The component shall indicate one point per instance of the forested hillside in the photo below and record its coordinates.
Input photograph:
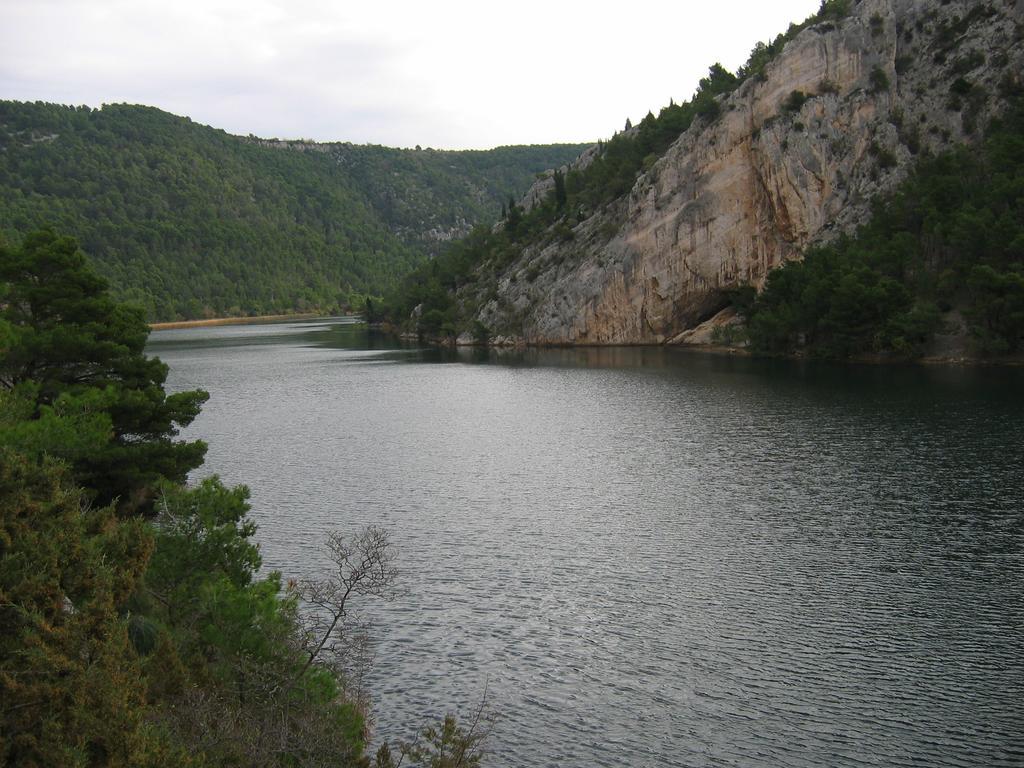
(189, 221)
(428, 196)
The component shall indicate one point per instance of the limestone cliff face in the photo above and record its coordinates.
(736, 197)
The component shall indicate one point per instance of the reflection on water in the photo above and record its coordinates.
(649, 556)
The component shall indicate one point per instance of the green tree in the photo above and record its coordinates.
(444, 745)
(997, 308)
(68, 345)
(514, 215)
(239, 651)
(70, 687)
(561, 198)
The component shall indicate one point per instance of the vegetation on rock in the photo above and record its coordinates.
(573, 198)
(584, 189)
(940, 256)
(951, 237)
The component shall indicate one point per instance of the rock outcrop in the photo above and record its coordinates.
(735, 197)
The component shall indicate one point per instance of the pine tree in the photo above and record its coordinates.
(560, 194)
(65, 337)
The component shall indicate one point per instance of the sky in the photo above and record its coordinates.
(449, 74)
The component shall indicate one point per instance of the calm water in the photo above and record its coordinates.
(650, 557)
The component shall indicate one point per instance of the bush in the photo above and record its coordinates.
(795, 101)
(481, 333)
(884, 157)
(879, 80)
(960, 87)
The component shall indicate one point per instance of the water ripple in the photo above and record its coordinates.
(649, 558)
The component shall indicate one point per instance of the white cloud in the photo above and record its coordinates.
(450, 73)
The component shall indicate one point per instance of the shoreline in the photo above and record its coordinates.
(175, 324)
(962, 359)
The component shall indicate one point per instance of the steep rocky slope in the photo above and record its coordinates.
(794, 157)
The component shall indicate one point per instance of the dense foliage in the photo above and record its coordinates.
(574, 197)
(149, 639)
(74, 381)
(188, 221)
(952, 237)
(71, 692)
(427, 196)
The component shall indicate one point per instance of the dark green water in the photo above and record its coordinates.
(650, 557)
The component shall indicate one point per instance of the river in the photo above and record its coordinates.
(649, 557)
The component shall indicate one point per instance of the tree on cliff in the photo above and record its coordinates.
(561, 197)
(66, 346)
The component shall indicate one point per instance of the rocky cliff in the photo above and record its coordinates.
(795, 156)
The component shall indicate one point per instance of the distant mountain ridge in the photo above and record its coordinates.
(190, 221)
(447, 192)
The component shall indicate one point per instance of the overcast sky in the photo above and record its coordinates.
(443, 73)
